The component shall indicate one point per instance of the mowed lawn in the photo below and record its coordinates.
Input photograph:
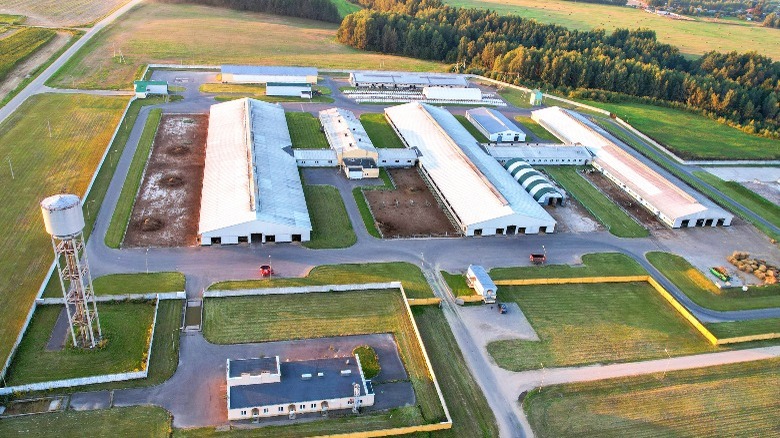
(582, 324)
(472, 129)
(379, 131)
(305, 131)
(692, 37)
(81, 127)
(166, 33)
(317, 315)
(536, 129)
(607, 264)
(125, 327)
(136, 421)
(728, 400)
(703, 291)
(748, 198)
(693, 136)
(331, 227)
(120, 284)
(617, 221)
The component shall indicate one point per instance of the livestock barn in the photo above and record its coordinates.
(355, 152)
(251, 187)
(478, 192)
(495, 126)
(258, 74)
(466, 94)
(393, 80)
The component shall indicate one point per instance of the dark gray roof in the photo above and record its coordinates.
(492, 121)
(293, 389)
(269, 70)
(253, 366)
(367, 163)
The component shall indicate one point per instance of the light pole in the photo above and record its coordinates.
(147, 260)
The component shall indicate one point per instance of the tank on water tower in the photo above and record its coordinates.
(64, 221)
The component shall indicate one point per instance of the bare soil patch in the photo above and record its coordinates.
(769, 190)
(624, 200)
(573, 218)
(167, 208)
(410, 210)
(24, 69)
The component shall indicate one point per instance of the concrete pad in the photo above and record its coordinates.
(741, 174)
(87, 401)
(487, 325)
(392, 395)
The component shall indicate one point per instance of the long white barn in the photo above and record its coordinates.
(251, 187)
(671, 204)
(479, 193)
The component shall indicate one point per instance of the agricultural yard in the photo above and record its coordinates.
(691, 37)
(146, 421)
(703, 291)
(167, 33)
(581, 324)
(472, 129)
(729, 400)
(331, 227)
(304, 316)
(537, 130)
(65, 13)
(126, 327)
(305, 131)
(167, 207)
(753, 201)
(617, 221)
(622, 199)
(593, 265)
(408, 274)
(257, 91)
(44, 162)
(410, 209)
(379, 131)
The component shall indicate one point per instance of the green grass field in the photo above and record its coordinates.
(617, 221)
(124, 206)
(331, 227)
(744, 328)
(408, 274)
(81, 127)
(125, 325)
(748, 198)
(305, 131)
(457, 284)
(692, 37)
(21, 45)
(379, 131)
(703, 291)
(729, 400)
(137, 421)
(582, 324)
(365, 212)
(167, 33)
(693, 136)
(518, 98)
(536, 129)
(345, 7)
(304, 316)
(120, 284)
(236, 91)
(472, 129)
(593, 265)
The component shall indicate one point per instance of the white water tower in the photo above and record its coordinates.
(64, 221)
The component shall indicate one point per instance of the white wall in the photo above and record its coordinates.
(281, 233)
(277, 410)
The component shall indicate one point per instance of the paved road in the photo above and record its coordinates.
(38, 84)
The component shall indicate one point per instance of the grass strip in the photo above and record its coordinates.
(748, 198)
(365, 212)
(145, 421)
(593, 265)
(472, 129)
(331, 227)
(121, 284)
(536, 129)
(124, 207)
(380, 132)
(744, 328)
(457, 284)
(305, 131)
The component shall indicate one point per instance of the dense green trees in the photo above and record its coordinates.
(772, 20)
(323, 10)
(742, 89)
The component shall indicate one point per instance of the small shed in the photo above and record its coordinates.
(478, 279)
(288, 89)
(143, 89)
(536, 97)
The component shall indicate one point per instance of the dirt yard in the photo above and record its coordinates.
(166, 211)
(410, 210)
(622, 199)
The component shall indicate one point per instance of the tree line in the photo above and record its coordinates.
(735, 8)
(322, 10)
(772, 20)
(740, 89)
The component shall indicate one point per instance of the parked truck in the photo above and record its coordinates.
(538, 258)
(478, 279)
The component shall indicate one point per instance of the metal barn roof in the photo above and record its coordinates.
(406, 78)
(140, 86)
(249, 173)
(474, 184)
(479, 272)
(344, 131)
(492, 121)
(269, 70)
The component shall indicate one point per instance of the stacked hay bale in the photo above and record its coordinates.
(759, 268)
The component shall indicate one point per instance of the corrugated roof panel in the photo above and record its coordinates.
(344, 131)
(268, 70)
(492, 121)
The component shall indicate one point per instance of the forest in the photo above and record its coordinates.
(734, 8)
(740, 89)
(322, 10)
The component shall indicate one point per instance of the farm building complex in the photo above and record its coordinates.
(672, 205)
(495, 126)
(534, 182)
(251, 186)
(266, 387)
(257, 74)
(355, 152)
(542, 153)
(480, 195)
(405, 80)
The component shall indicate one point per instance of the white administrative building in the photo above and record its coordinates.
(495, 126)
(251, 187)
(478, 192)
(260, 74)
(404, 80)
(670, 203)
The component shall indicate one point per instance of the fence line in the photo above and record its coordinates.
(123, 297)
(300, 289)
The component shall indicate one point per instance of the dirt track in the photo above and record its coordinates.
(166, 211)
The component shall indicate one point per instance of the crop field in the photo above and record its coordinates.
(408, 274)
(126, 326)
(305, 131)
(729, 400)
(702, 290)
(593, 265)
(692, 37)
(379, 131)
(537, 130)
(693, 136)
(750, 199)
(304, 316)
(582, 324)
(331, 227)
(617, 221)
(66, 13)
(140, 421)
(166, 33)
(472, 129)
(43, 164)
(19, 46)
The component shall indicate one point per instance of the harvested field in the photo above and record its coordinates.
(61, 12)
(166, 211)
(409, 210)
(624, 200)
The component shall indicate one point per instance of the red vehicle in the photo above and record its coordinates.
(538, 259)
(266, 271)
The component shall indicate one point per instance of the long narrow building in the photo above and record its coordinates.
(251, 187)
(671, 203)
(480, 195)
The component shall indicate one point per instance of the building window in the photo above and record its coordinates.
(303, 406)
(281, 408)
(243, 412)
(314, 405)
(265, 410)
